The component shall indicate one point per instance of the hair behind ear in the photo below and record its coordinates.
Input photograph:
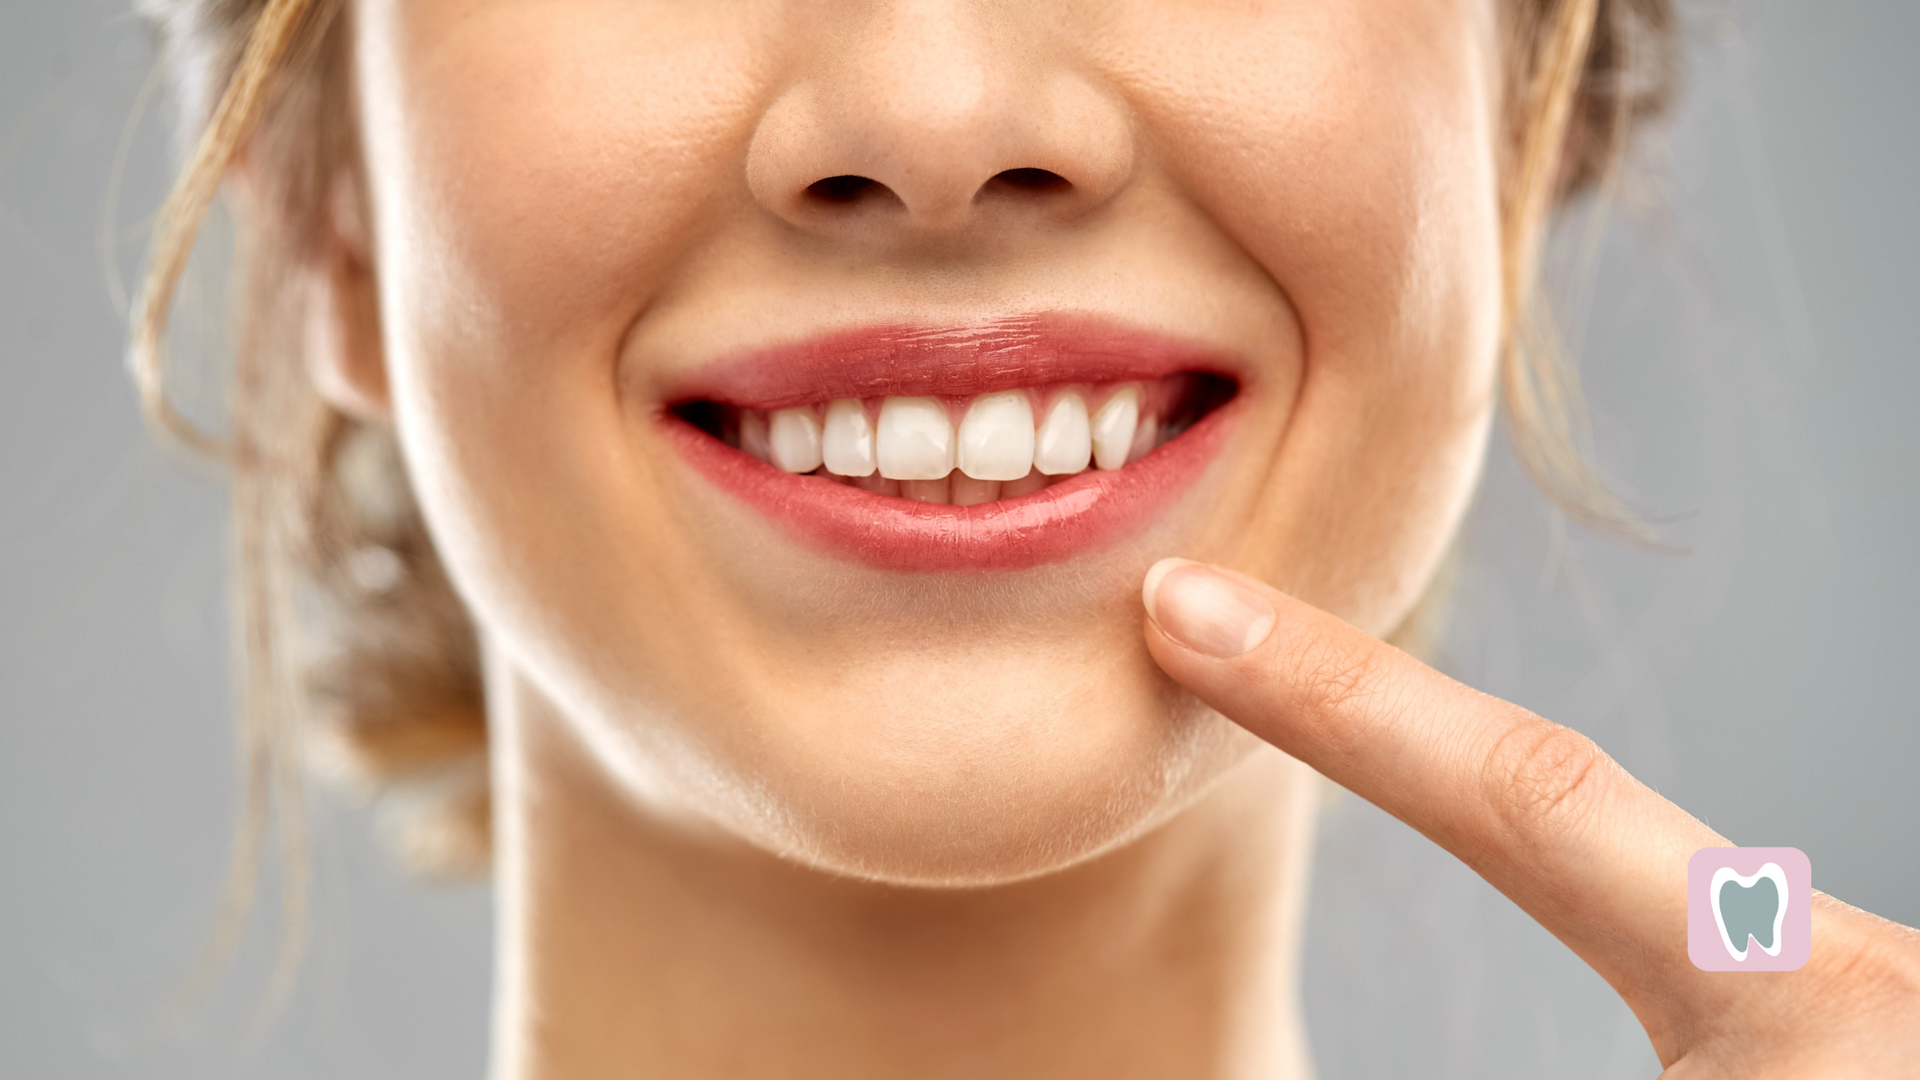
(351, 641)
(1583, 75)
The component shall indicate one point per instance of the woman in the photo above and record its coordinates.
(727, 451)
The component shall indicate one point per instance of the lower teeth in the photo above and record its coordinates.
(955, 489)
(959, 489)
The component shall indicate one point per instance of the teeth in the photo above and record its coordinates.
(1145, 438)
(877, 484)
(1063, 444)
(996, 437)
(846, 440)
(1026, 485)
(915, 441)
(1113, 428)
(753, 436)
(927, 491)
(915, 451)
(795, 436)
(967, 491)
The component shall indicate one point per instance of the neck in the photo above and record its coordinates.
(630, 946)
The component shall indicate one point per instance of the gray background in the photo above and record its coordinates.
(1746, 332)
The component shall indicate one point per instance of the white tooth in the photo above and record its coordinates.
(1063, 444)
(1145, 438)
(1113, 428)
(753, 435)
(996, 437)
(915, 440)
(846, 440)
(795, 436)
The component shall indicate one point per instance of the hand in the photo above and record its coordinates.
(1550, 820)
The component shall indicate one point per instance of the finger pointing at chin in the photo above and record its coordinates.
(1547, 818)
(1536, 808)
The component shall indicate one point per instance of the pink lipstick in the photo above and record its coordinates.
(998, 446)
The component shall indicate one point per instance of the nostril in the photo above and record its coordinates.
(845, 189)
(1030, 180)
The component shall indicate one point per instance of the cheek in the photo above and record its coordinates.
(1350, 150)
(538, 169)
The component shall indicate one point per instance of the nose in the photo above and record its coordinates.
(933, 117)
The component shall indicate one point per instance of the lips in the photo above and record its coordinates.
(859, 444)
(954, 362)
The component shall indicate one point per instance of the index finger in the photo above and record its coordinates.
(1536, 808)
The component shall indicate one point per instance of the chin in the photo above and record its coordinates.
(967, 770)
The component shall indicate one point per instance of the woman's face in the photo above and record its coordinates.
(620, 252)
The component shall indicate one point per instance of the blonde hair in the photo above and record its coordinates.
(376, 681)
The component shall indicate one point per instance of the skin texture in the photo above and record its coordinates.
(572, 204)
(763, 812)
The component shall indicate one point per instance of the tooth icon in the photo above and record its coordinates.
(1749, 909)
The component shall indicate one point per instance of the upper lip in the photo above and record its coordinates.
(899, 360)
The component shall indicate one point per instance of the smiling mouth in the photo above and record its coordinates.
(994, 447)
(967, 451)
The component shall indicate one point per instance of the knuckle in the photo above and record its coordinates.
(1543, 777)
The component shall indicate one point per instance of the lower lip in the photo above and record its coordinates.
(1092, 510)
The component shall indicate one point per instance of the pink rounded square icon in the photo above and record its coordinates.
(1749, 909)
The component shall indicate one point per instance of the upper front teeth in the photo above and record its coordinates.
(996, 437)
(916, 439)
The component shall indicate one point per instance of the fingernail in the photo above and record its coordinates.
(1205, 610)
